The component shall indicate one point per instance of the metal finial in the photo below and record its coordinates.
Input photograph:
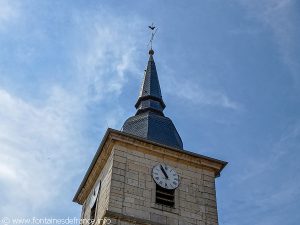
(153, 32)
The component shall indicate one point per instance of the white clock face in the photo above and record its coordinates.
(165, 176)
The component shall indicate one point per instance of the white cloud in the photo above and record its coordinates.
(36, 145)
(9, 11)
(109, 52)
(194, 93)
(42, 147)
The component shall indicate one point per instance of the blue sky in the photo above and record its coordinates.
(229, 73)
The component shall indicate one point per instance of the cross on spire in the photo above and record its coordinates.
(153, 32)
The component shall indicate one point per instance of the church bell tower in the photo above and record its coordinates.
(143, 175)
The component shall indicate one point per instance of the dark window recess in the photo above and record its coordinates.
(93, 211)
(165, 196)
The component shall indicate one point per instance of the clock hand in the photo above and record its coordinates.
(164, 172)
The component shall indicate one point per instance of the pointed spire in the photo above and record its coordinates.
(149, 121)
(150, 98)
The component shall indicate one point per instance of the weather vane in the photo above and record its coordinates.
(153, 32)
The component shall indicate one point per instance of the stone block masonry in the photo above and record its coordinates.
(123, 165)
(132, 195)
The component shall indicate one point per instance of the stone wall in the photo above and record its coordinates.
(104, 194)
(132, 191)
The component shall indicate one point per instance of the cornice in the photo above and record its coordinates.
(113, 137)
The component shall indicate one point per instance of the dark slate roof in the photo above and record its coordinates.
(150, 94)
(153, 127)
(149, 121)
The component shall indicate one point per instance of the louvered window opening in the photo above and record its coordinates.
(165, 196)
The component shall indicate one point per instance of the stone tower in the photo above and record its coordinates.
(142, 174)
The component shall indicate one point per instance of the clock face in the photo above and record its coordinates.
(165, 176)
